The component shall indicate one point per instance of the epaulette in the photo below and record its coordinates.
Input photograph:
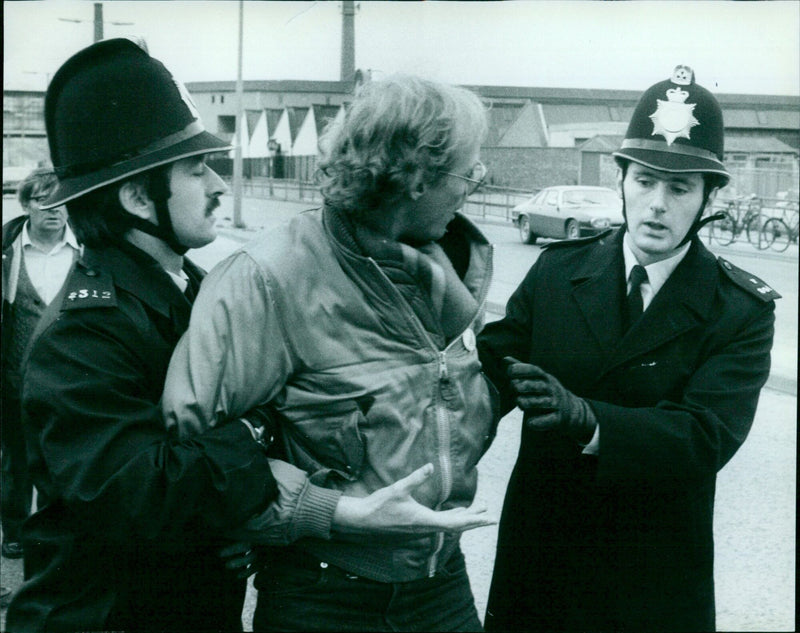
(88, 287)
(748, 282)
(578, 241)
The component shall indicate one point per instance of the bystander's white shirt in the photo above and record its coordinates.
(48, 270)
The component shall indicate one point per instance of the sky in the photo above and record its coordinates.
(734, 47)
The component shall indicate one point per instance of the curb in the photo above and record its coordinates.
(782, 384)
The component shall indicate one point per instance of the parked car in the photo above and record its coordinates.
(568, 212)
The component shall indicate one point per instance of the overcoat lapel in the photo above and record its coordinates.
(682, 303)
(598, 289)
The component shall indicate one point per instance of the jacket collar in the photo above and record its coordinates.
(12, 229)
(139, 274)
(340, 227)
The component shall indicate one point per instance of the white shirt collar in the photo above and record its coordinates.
(657, 273)
(181, 280)
(67, 240)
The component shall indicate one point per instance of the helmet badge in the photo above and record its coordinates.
(673, 118)
(682, 76)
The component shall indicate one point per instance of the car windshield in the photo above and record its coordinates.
(591, 197)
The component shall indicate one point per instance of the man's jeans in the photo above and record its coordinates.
(315, 596)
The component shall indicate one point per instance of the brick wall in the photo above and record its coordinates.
(608, 171)
(25, 150)
(531, 167)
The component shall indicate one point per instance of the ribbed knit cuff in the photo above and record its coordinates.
(314, 512)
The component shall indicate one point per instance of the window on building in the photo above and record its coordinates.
(213, 98)
(736, 158)
(226, 124)
(222, 98)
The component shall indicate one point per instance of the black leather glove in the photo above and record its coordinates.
(242, 559)
(548, 403)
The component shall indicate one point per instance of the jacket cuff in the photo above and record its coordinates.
(314, 513)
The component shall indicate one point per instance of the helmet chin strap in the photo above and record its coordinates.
(699, 220)
(699, 224)
(163, 230)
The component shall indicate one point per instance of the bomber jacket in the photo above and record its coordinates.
(298, 320)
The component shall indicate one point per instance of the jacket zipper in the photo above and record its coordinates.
(442, 423)
(445, 464)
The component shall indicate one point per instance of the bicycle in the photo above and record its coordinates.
(741, 216)
(782, 231)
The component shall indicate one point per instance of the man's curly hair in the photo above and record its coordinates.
(394, 129)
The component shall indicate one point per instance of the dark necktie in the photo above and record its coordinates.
(635, 305)
(190, 293)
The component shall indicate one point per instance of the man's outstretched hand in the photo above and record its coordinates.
(392, 510)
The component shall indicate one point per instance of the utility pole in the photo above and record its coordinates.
(237, 151)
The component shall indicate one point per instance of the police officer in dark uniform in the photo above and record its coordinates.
(637, 358)
(130, 538)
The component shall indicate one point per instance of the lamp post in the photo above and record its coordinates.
(274, 148)
(237, 151)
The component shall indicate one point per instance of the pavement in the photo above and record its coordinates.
(755, 511)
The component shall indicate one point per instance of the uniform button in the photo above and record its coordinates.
(324, 565)
(91, 273)
(727, 265)
(468, 338)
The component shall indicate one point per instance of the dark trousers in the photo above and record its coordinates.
(16, 489)
(304, 594)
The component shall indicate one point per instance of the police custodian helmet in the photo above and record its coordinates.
(112, 111)
(677, 127)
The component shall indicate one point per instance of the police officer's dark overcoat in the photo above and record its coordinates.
(130, 538)
(624, 541)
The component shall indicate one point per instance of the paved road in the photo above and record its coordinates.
(755, 507)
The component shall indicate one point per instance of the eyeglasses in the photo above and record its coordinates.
(476, 177)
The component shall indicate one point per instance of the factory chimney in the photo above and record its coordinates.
(348, 67)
